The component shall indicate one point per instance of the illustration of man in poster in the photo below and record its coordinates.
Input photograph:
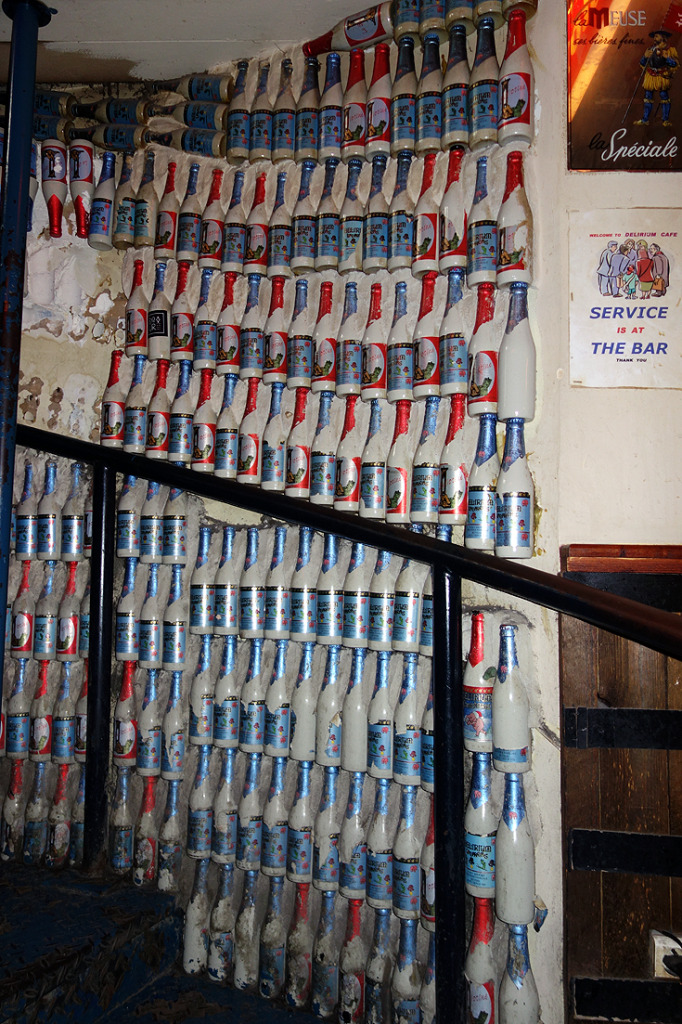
(661, 269)
(659, 64)
(604, 275)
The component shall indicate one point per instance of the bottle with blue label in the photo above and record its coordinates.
(260, 127)
(429, 120)
(173, 732)
(234, 229)
(277, 595)
(252, 590)
(353, 843)
(400, 353)
(326, 835)
(251, 334)
(323, 451)
(148, 761)
(453, 346)
(202, 589)
(180, 421)
(373, 468)
(150, 623)
(406, 727)
(135, 412)
(12, 819)
(481, 231)
(375, 233)
(238, 118)
(272, 946)
(226, 436)
(252, 702)
(77, 831)
(300, 338)
(18, 715)
(226, 585)
(354, 718)
(26, 544)
(329, 589)
(175, 621)
(284, 117)
(189, 220)
(407, 607)
(406, 858)
(201, 697)
(351, 222)
(205, 330)
(49, 529)
(381, 604)
(380, 850)
(307, 132)
(349, 350)
(170, 841)
(518, 996)
(456, 90)
(274, 440)
(401, 220)
(426, 467)
(200, 813)
(380, 722)
(303, 703)
(226, 699)
(515, 499)
(303, 589)
(195, 937)
(328, 222)
(407, 979)
(330, 110)
(479, 531)
(274, 853)
(428, 772)
(280, 237)
(45, 621)
(403, 104)
(511, 729)
(299, 867)
(277, 708)
(124, 206)
(379, 969)
(515, 857)
(484, 87)
(221, 929)
(35, 818)
(64, 720)
(225, 811)
(325, 964)
(406, 19)
(246, 935)
(356, 598)
(427, 993)
(480, 831)
(73, 518)
(128, 520)
(127, 642)
(121, 827)
(101, 210)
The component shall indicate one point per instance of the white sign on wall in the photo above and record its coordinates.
(625, 287)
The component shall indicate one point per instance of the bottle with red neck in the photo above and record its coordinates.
(249, 457)
(515, 116)
(274, 443)
(165, 240)
(348, 454)
(373, 25)
(454, 476)
(234, 229)
(517, 361)
(125, 720)
(456, 91)
(227, 331)
(300, 341)
(298, 450)
(426, 343)
(53, 177)
(211, 236)
(429, 102)
(378, 105)
(189, 219)
(137, 309)
(306, 139)
(59, 822)
(23, 616)
(68, 619)
(276, 337)
(453, 218)
(40, 735)
(354, 128)
(453, 346)
(251, 340)
(298, 978)
(324, 343)
(205, 328)
(158, 319)
(158, 415)
(399, 467)
(80, 748)
(204, 427)
(349, 345)
(374, 351)
(279, 234)
(328, 228)
(399, 374)
(375, 232)
(351, 1006)
(514, 227)
(256, 244)
(146, 838)
(479, 968)
(484, 87)
(260, 126)
(483, 356)
(426, 229)
(182, 317)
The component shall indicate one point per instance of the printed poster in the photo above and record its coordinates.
(625, 85)
(625, 284)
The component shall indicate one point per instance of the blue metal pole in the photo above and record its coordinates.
(27, 17)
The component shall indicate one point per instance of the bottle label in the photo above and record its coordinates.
(149, 749)
(26, 543)
(251, 609)
(305, 236)
(283, 131)
(273, 463)
(40, 737)
(406, 617)
(224, 836)
(277, 609)
(407, 752)
(380, 875)
(403, 118)
(322, 475)
(512, 243)
(72, 535)
(425, 490)
(201, 719)
(127, 640)
(199, 829)
(35, 841)
(145, 860)
(226, 445)
(303, 612)
(513, 526)
(205, 88)
(234, 244)
(426, 364)
(45, 637)
(429, 119)
(354, 124)
(180, 436)
(407, 1010)
(347, 487)
(427, 771)
(381, 617)
(112, 422)
(63, 738)
(349, 355)
(274, 362)
(483, 106)
(58, 836)
(173, 755)
(226, 722)
(202, 607)
(376, 237)
(379, 746)
(271, 970)
(373, 368)
(256, 246)
(326, 870)
(455, 113)
(182, 333)
(378, 120)
(352, 995)
(426, 634)
(425, 245)
(251, 724)
(298, 468)
(17, 734)
(143, 226)
(517, 756)
(100, 217)
(226, 607)
(406, 884)
(279, 246)
(158, 429)
(397, 496)
(329, 614)
(330, 128)
(189, 231)
(355, 615)
(251, 349)
(149, 648)
(275, 846)
(238, 130)
(121, 848)
(247, 459)
(372, 484)
(351, 231)
(125, 741)
(205, 333)
(165, 231)
(332, 747)
(300, 357)
(170, 863)
(127, 540)
(481, 1000)
(514, 98)
(277, 730)
(125, 217)
(328, 231)
(261, 129)
(479, 861)
(483, 378)
(482, 247)
(353, 873)
(299, 852)
(400, 367)
(81, 735)
(174, 643)
(228, 348)
(480, 523)
(48, 529)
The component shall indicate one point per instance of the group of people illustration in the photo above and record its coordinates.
(633, 269)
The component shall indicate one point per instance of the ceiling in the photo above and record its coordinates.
(137, 40)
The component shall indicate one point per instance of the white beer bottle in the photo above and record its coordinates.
(514, 227)
(113, 405)
(277, 707)
(284, 117)
(407, 728)
(175, 620)
(159, 316)
(426, 468)
(351, 222)
(158, 415)
(515, 117)
(300, 832)
(483, 356)
(515, 857)
(327, 235)
(354, 718)
(426, 343)
(510, 708)
(426, 234)
(348, 455)
(456, 90)
(173, 732)
(225, 810)
(274, 443)
(303, 704)
(328, 712)
(279, 234)
(256, 243)
(146, 837)
(429, 103)
(453, 217)
(518, 1002)
(354, 126)
(329, 591)
(307, 131)
(249, 459)
(276, 337)
(478, 691)
(303, 592)
(246, 935)
(221, 928)
(252, 590)
(325, 966)
(238, 118)
(407, 979)
(226, 435)
(352, 960)
(353, 843)
(406, 853)
(326, 835)
(274, 854)
(227, 331)
(300, 341)
(480, 831)
(260, 125)
(484, 87)
(481, 231)
(59, 822)
(454, 473)
(479, 531)
(135, 412)
(402, 110)
(400, 353)
(375, 232)
(165, 240)
(102, 209)
(374, 351)
(380, 965)
(195, 937)
(373, 468)
(204, 426)
(323, 454)
(201, 697)
(189, 219)
(226, 698)
(72, 519)
(373, 25)
(40, 735)
(516, 362)
(515, 505)
(234, 229)
(380, 722)
(380, 851)
(252, 702)
(399, 467)
(299, 948)
(151, 620)
(331, 104)
(479, 967)
(378, 105)
(427, 908)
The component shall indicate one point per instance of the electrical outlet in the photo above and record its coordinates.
(661, 945)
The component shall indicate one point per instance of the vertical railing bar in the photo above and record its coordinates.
(449, 796)
(99, 688)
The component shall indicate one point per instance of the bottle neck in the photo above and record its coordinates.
(476, 649)
(192, 180)
(240, 83)
(333, 72)
(481, 190)
(381, 678)
(349, 415)
(183, 274)
(149, 794)
(252, 395)
(263, 74)
(300, 407)
(357, 781)
(457, 412)
(381, 63)
(205, 386)
(458, 47)
(259, 194)
(305, 539)
(216, 183)
(276, 295)
(516, 35)
(484, 922)
(148, 175)
(405, 65)
(428, 287)
(310, 82)
(486, 446)
(518, 305)
(237, 186)
(285, 78)
(170, 179)
(454, 165)
(356, 69)
(275, 400)
(114, 367)
(485, 42)
(228, 296)
(374, 304)
(229, 656)
(404, 161)
(252, 300)
(326, 297)
(353, 921)
(279, 196)
(381, 796)
(41, 689)
(402, 418)
(485, 305)
(427, 179)
(354, 168)
(162, 366)
(301, 903)
(431, 59)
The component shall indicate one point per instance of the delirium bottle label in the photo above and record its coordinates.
(406, 884)
(380, 875)
(299, 851)
(353, 873)
(226, 722)
(380, 745)
(199, 829)
(407, 752)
